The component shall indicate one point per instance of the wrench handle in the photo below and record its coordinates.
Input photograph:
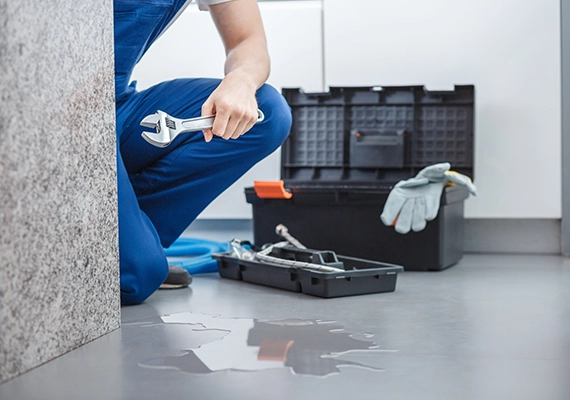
(206, 122)
(198, 124)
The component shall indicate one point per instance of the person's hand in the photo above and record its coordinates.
(414, 202)
(234, 104)
(246, 68)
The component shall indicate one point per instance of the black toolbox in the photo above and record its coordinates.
(347, 148)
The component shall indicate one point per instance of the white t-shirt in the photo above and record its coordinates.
(203, 5)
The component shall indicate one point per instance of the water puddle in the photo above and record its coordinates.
(305, 347)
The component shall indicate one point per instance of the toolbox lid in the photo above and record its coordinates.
(376, 134)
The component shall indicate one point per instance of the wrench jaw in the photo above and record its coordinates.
(163, 136)
(148, 136)
(151, 121)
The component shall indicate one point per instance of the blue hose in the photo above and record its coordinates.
(195, 255)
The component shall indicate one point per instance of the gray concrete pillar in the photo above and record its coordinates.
(59, 273)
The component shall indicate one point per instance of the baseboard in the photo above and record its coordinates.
(519, 236)
(221, 229)
(523, 236)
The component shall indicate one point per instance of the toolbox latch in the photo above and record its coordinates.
(271, 190)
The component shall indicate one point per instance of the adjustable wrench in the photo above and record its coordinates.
(167, 127)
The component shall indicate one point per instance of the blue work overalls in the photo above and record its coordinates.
(162, 190)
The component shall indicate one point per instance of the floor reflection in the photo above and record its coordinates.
(305, 347)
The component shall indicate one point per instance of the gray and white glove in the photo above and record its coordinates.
(413, 202)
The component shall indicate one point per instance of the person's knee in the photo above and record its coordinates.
(278, 119)
(140, 278)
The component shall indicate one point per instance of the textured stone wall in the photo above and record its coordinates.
(59, 274)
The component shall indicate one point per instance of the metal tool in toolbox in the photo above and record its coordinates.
(322, 273)
(292, 248)
(167, 128)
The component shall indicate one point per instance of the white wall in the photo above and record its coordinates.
(192, 48)
(510, 51)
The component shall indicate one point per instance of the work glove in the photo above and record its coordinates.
(413, 202)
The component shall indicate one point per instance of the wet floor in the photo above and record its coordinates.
(489, 328)
(303, 347)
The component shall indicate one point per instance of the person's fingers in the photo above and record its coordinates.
(240, 130)
(392, 208)
(208, 108)
(232, 124)
(220, 125)
(245, 125)
(419, 218)
(208, 135)
(404, 222)
(222, 115)
(232, 128)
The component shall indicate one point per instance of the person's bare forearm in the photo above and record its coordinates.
(246, 68)
(241, 29)
(249, 61)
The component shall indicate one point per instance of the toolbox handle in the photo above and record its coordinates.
(271, 190)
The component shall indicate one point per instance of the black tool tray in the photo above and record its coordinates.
(359, 276)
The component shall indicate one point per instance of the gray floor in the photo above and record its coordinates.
(490, 327)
